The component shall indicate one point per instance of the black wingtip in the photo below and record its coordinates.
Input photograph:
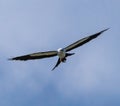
(104, 30)
(99, 33)
(16, 58)
(10, 59)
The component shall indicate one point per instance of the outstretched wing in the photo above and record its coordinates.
(38, 55)
(83, 41)
(58, 62)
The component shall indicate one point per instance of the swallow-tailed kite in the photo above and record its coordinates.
(62, 53)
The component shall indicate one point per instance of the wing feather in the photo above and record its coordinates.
(83, 41)
(38, 55)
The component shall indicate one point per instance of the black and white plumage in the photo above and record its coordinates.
(61, 52)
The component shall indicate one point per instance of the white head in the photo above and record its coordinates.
(61, 50)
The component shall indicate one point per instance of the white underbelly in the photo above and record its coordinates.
(61, 54)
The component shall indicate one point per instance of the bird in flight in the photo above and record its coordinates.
(62, 53)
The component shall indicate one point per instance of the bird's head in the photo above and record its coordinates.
(61, 49)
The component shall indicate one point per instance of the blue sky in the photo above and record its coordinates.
(89, 78)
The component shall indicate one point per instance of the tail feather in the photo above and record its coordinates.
(58, 62)
(69, 54)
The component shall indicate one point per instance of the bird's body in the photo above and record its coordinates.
(62, 53)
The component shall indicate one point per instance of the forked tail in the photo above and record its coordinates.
(69, 54)
(58, 62)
